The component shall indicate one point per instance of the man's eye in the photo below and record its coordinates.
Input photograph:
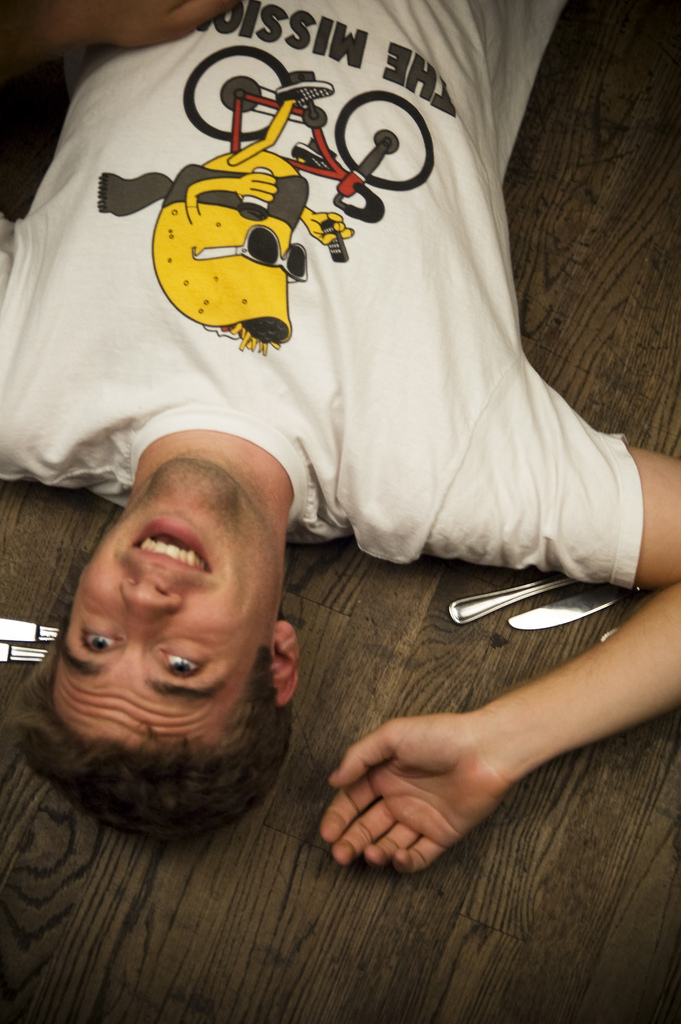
(97, 642)
(181, 666)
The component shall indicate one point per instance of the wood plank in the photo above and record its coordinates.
(639, 959)
(40, 892)
(599, 289)
(329, 574)
(272, 963)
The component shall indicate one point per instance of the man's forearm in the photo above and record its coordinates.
(634, 675)
(31, 30)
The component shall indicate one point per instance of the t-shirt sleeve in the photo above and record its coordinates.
(538, 486)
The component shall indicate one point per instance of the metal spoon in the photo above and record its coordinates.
(468, 609)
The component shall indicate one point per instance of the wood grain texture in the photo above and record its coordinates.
(565, 906)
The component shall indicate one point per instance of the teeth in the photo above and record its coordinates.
(159, 547)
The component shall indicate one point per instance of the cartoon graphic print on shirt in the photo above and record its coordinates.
(222, 248)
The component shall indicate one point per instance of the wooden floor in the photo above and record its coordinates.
(565, 907)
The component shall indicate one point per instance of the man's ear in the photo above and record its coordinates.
(285, 658)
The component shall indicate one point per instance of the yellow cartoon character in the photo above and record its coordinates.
(222, 245)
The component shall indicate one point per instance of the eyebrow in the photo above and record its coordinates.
(166, 689)
(178, 690)
(84, 668)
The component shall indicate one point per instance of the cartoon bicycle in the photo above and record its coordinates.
(223, 247)
(247, 102)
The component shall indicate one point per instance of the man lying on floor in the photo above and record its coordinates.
(264, 292)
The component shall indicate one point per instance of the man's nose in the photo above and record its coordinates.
(153, 595)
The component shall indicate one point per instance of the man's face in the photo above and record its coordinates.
(170, 612)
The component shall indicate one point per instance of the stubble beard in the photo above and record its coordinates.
(187, 482)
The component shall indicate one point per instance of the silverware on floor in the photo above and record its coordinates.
(468, 609)
(10, 652)
(26, 632)
(568, 609)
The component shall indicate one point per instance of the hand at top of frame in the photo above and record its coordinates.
(411, 789)
(130, 22)
(37, 29)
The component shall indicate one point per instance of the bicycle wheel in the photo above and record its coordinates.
(207, 109)
(386, 118)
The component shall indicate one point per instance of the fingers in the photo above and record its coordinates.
(408, 851)
(399, 837)
(377, 836)
(345, 807)
(358, 841)
(372, 750)
(337, 817)
(190, 13)
(357, 823)
(417, 857)
(142, 22)
(354, 839)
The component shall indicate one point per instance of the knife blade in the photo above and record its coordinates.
(570, 608)
(16, 629)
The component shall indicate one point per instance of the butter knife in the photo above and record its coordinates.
(570, 608)
(26, 632)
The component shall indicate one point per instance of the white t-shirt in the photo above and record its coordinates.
(399, 399)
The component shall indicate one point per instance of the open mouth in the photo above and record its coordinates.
(167, 546)
(180, 544)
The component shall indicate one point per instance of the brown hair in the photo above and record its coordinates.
(160, 791)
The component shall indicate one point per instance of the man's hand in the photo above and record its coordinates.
(129, 22)
(410, 789)
(36, 29)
